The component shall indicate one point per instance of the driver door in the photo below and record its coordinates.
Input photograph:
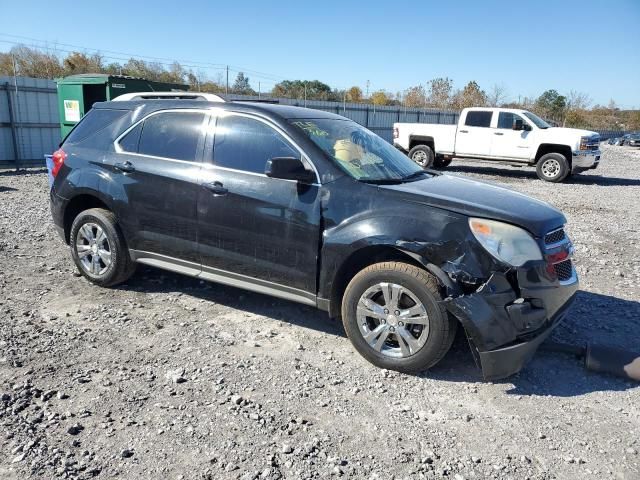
(260, 228)
(510, 143)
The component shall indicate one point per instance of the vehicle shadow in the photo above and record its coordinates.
(579, 179)
(548, 373)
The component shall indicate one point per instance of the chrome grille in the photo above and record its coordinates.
(563, 270)
(554, 237)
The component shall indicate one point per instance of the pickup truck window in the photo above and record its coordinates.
(478, 119)
(358, 152)
(506, 120)
(537, 121)
(246, 144)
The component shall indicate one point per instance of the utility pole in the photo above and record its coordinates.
(259, 91)
(226, 89)
(367, 89)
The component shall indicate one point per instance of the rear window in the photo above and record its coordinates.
(93, 122)
(478, 119)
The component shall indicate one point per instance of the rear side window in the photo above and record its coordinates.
(246, 144)
(129, 143)
(172, 135)
(478, 119)
(92, 122)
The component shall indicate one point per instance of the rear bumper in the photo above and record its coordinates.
(585, 160)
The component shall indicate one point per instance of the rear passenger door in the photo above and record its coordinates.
(473, 138)
(251, 227)
(157, 163)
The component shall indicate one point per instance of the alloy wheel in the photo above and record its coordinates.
(420, 158)
(392, 320)
(93, 249)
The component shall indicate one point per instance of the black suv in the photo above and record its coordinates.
(311, 207)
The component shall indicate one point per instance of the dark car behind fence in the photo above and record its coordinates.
(30, 128)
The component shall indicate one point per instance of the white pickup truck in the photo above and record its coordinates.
(512, 136)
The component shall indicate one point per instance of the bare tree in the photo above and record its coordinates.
(497, 96)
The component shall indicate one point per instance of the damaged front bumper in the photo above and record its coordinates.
(511, 314)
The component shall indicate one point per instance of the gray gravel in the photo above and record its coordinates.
(170, 377)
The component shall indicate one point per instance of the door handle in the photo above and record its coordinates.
(498, 133)
(216, 188)
(126, 167)
(463, 131)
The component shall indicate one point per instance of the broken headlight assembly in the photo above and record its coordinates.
(505, 242)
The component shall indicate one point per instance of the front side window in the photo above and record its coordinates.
(172, 135)
(478, 119)
(507, 119)
(246, 144)
(358, 152)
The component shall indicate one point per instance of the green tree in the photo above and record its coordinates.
(551, 105)
(242, 86)
(314, 89)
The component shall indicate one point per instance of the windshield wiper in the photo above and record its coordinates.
(414, 175)
(381, 181)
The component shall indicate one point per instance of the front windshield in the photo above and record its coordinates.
(360, 153)
(538, 122)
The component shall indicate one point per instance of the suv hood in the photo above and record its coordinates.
(479, 199)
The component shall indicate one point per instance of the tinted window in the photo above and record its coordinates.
(92, 122)
(478, 119)
(129, 143)
(506, 119)
(246, 144)
(172, 135)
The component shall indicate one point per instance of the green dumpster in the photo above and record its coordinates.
(77, 93)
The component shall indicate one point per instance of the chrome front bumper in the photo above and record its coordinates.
(585, 159)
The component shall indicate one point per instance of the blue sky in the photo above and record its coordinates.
(588, 46)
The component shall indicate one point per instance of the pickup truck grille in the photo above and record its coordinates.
(554, 237)
(564, 270)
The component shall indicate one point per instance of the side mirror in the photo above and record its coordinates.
(518, 124)
(289, 168)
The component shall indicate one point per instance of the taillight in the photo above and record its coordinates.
(395, 132)
(58, 158)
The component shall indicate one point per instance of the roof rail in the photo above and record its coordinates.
(139, 96)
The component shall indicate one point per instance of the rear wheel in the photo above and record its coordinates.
(423, 155)
(392, 314)
(553, 167)
(98, 248)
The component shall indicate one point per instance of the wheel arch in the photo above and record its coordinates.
(363, 257)
(415, 140)
(545, 148)
(84, 200)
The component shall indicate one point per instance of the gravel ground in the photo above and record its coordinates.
(170, 377)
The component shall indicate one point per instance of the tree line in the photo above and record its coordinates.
(573, 109)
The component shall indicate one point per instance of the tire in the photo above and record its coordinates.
(423, 155)
(98, 248)
(441, 162)
(432, 338)
(553, 167)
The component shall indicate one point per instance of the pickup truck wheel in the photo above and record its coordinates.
(441, 162)
(553, 167)
(98, 248)
(392, 314)
(423, 155)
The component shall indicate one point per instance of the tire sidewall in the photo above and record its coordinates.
(563, 171)
(427, 150)
(115, 245)
(428, 354)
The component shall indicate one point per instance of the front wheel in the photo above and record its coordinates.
(392, 314)
(553, 167)
(423, 155)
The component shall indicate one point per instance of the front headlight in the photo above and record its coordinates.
(505, 242)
